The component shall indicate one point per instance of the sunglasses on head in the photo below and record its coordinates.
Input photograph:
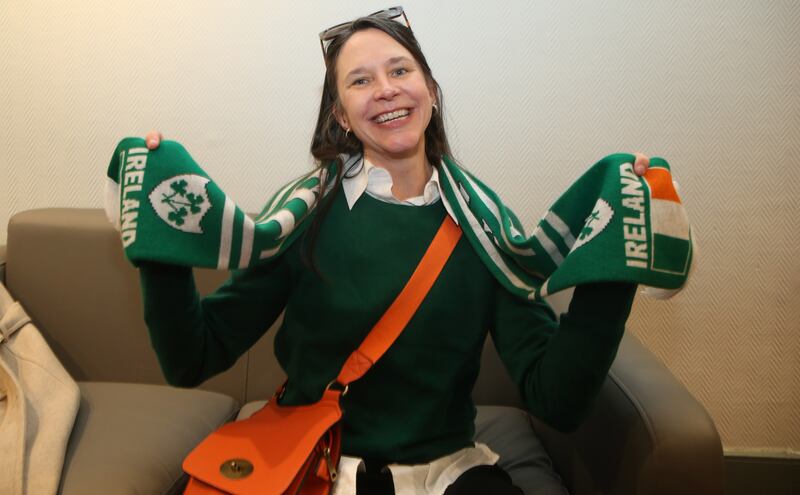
(325, 37)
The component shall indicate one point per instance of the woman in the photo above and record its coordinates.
(382, 106)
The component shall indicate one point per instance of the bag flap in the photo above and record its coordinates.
(276, 440)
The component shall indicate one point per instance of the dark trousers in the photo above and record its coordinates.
(480, 480)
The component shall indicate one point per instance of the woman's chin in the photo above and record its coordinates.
(399, 148)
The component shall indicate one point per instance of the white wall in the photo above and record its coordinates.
(534, 93)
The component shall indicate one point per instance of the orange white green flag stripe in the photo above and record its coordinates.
(670, 235)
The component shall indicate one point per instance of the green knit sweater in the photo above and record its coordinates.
(414, 405)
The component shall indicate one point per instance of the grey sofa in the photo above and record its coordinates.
(646, 435)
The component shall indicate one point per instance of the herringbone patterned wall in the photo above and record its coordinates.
(535, 92)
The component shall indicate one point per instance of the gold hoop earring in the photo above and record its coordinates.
(435, 108)
(347, 133)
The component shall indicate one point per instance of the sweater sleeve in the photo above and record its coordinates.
(196, 338)
(560, 367)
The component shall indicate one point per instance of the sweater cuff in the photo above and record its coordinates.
(165, 287)
(606, 302)
(157, 275)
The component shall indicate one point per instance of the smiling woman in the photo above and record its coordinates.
(408, 425)
(381, 101)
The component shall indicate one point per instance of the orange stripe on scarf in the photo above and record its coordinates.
(660, 182)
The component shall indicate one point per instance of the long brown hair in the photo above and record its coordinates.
(330, 140)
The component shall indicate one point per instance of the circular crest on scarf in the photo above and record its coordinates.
(596, 222)
(182, 201)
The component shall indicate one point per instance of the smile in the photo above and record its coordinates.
(389, 116)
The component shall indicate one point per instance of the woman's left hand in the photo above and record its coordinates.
(641, 164)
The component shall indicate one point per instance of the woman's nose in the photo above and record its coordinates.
(385, 88)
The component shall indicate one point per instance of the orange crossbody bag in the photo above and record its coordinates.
(296, 449)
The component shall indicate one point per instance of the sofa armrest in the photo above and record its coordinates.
(66, 267)
(647, 434)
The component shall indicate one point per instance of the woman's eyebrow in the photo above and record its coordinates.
(393, 60)
(357, 70)
(400, 58)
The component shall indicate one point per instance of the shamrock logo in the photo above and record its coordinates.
(179, 204)
(595, 223)
(587, 228)
(182, 201)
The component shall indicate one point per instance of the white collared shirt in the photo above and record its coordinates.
(434, 477)
(377, 182)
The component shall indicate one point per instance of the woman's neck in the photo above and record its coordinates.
(409, 174)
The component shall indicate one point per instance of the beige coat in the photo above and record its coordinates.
(38, 405)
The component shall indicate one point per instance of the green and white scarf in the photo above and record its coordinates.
(610, 225)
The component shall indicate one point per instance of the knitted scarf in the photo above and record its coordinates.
(610, 225)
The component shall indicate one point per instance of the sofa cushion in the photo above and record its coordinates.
(132, 438)
(507, 431)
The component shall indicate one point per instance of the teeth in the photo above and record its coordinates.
(391, 116)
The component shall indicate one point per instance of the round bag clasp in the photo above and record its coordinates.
(236, 469)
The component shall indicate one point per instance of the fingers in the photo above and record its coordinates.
(641, 164)
(153, 139)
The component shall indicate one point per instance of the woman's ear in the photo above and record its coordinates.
(340, 117)
(432, 93)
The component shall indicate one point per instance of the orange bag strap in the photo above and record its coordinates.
(395, 319)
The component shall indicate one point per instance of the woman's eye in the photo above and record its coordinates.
(359, 82)
(400, 71)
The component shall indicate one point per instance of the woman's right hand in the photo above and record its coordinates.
(153, 139)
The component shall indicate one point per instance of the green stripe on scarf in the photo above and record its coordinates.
(610, 225)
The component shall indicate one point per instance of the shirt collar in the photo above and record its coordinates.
(377, 182)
